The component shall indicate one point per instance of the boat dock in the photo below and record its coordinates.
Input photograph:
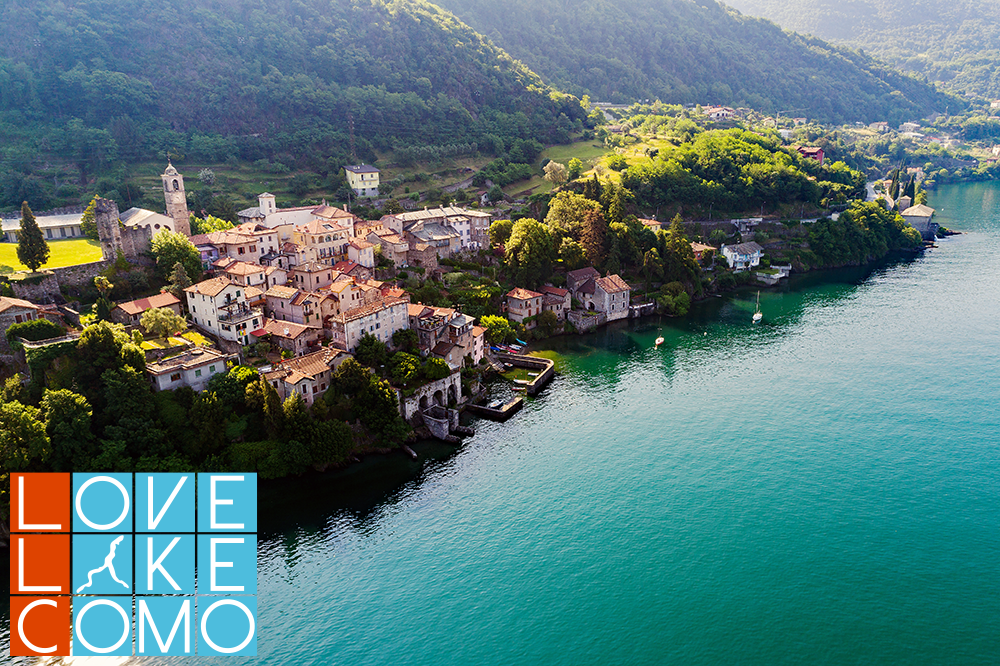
(501, 413)
(545, 369)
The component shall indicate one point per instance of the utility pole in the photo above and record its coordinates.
(350, 125)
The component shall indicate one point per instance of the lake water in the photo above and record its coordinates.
(823, 488)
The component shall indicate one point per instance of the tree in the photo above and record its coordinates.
(67, 423)
(500, 232)
(568, 212)
(555, 172)
(436, 368)
(23, 441)
(594, 237)
(162, 322)
(88, 223)
(498, 329)
(179, 281)
(32, 250)
(574, 169)
(495, 194)
(209, 224)
(406, 339)
(371, 351)
(170, 247)
(547, 321)
(404, 367)
(571, 254)
(529, 252)
(651, 266)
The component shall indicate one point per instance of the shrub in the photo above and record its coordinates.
(37, 329)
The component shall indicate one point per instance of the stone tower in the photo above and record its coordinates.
(108, 228)
(173, 193)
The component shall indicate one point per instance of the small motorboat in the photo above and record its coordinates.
(659, 341)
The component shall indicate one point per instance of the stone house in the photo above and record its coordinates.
(308, 375)
(361, 252)
(478, 343)
(522, 304)
(193, 368)
(239, 246)
(354, 270)
(381, 319)
(556, 300)
(275, 275)
(326, 240)
(130, 313)
(608, 295)
(15, 311)
(699, 250)
(575, 278)
(394, 248)
(298, 339)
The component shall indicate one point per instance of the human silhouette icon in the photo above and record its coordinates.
(108, 564)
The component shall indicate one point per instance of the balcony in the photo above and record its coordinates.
(239, 313)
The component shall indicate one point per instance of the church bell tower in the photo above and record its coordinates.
(173, 194)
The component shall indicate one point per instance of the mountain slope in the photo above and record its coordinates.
(684, 51)
(258, 78)
(955, 42)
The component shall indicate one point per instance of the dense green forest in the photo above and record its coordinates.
(695, 52)
(221, 80)
(956, 43)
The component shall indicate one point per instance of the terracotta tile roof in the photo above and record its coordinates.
(443, 348)
(283, 329)
(273, 269)
(477, 331)
(320, 227)
(701, 247)
(243, 268)
(522, 294)
(140, 305)
(358, 244)
(345, 266)
(253, 293)
(613, 284)
(417, 309)
(584, 273)
(200, 239)
(365, 310)
(192, 358)
(396, 292)
(308, 366)
(230, 237)
(212, 287)
(7, 302)
(311, 267)
(333, 213)
(281, 291)
(555, 291)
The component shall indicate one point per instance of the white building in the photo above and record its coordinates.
(743, 256)
(220, 308)
(381, 319)
(193, 368)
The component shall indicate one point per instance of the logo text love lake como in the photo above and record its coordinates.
(105, 564)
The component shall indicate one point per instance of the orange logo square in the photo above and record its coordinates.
(40, 626)
(40, 502)
(39, 564)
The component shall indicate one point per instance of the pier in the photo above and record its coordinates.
(543, 366)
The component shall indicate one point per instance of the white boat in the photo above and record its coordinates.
(758, 315)
(659, 341)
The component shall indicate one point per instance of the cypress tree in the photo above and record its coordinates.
(32, 250)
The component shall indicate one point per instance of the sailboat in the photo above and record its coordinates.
(758, 315)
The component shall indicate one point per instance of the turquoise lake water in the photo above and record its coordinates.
(823, 488)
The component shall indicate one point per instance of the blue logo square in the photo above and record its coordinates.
(102, 626)
(102, 564)
(227, 502)
(227, 564)
(164, 564)
(102, 502)
(227, 626)
(165, 626)
(164, 503)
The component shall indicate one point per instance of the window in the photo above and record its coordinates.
(175, 377)
(63, 232)
(240, 250)
(211, 368)
(48, 233)
(315, 389)
(197, 373)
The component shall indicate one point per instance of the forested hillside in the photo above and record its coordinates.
(101, 80)
(954, 42)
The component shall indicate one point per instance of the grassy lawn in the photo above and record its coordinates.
(590, 152)
(61, 253)
(174, 341)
